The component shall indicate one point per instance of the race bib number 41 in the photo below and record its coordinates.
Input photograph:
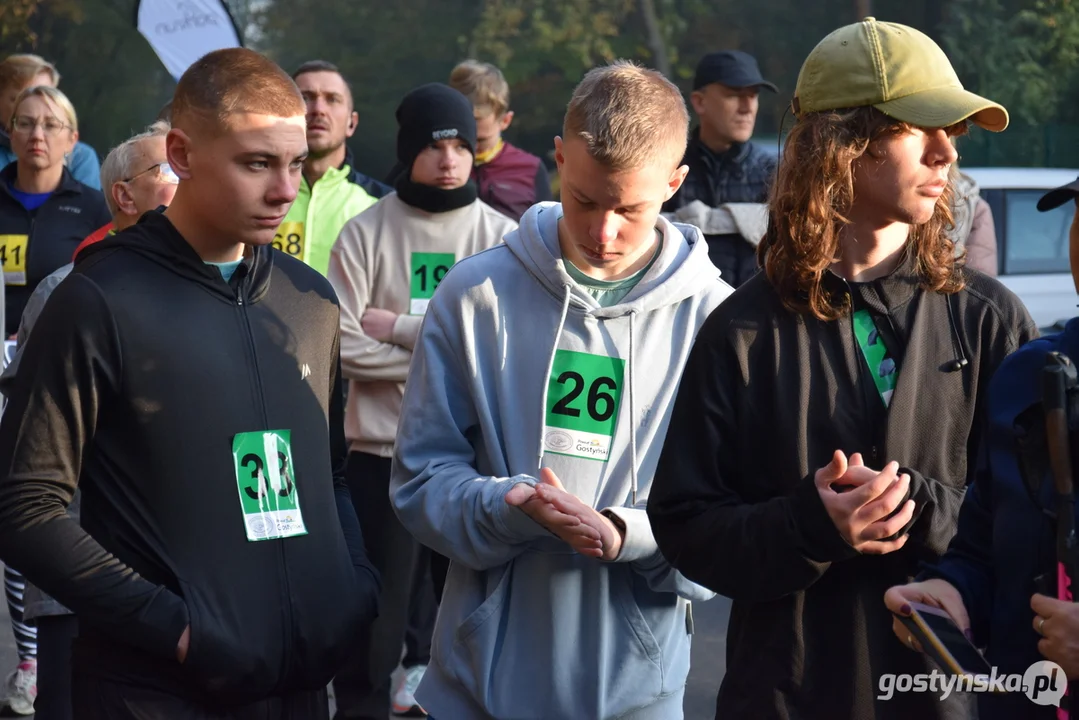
(13, 258)
(428, 269)
(269, 498)
(583, 395)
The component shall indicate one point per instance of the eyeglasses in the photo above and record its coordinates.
(165, 173)
(25, 125)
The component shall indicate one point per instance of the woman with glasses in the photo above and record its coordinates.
(44, 215)
(44, 212)
(23, 70)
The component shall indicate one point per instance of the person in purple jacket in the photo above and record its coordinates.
(510, 180)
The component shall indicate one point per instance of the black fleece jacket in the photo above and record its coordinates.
(766, 398)
(53, 231)
(143, 367)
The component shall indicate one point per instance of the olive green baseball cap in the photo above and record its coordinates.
(894, 68)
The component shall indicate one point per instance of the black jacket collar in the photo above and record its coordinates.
(735, 154)
(886, 294)
(372, 187)
(155, 237)
(68, 183)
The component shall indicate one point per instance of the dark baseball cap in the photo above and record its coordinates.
(732, 68)
(1058, 196)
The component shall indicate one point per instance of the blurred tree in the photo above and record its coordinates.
(1032, 69)
(384, 49)
(15, 17)
(109, 71)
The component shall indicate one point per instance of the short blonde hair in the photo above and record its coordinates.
(21, 69)
(629, 116)
(484, 85)
(49, 94)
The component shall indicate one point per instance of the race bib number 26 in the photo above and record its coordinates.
(266, 481)
(584, 392)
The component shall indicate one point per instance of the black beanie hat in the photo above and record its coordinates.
(431, 113)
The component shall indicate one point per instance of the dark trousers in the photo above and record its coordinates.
(55, 633)
(362, 686)
(95, 698)
(422, 611)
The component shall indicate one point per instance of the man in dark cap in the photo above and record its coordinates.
(724, 166)
(385, 267)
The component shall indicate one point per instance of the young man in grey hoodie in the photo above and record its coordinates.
(536, 405)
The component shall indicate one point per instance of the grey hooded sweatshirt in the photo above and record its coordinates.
(519, 368)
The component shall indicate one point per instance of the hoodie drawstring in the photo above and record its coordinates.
(632, 416)
(550, 367)
(629, 389)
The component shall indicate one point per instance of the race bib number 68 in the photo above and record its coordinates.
(289, 239)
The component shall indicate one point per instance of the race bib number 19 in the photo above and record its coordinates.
(289, 239)
(13, 258)
(269, 499)
(583, 395)
(428, 269)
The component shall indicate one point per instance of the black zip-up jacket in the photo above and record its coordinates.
(742, 174)
(54, 230)
(766, 398)
(141, 370)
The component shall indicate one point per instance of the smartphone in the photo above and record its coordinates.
(942, 640)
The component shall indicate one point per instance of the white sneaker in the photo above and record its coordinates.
(404, 694)
(21, 688)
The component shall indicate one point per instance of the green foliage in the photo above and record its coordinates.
(16, 16)
(1023, 53)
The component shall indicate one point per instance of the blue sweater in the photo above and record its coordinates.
(1005, 540)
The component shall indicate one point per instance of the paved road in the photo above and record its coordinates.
(709, 653)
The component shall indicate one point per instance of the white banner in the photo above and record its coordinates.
(182, 31)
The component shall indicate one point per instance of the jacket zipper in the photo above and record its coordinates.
(287, 645)
(30, 234)
(29, 243)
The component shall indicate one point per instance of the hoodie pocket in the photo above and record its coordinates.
(216, 659)
(465, 636)
(622, 581)
(559, 636)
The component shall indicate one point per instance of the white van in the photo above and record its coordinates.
(1032, 246)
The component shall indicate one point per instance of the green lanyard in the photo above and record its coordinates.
(881, 367)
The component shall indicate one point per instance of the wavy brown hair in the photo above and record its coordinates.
(810, 203)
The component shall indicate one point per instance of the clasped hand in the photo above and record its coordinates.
(873, 509)
(566, 516)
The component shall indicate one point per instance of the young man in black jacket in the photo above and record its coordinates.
(817, 450)
(186, 378)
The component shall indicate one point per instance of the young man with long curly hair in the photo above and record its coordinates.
(818, 447)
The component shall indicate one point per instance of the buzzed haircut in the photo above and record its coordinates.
(629, 116)
(484, 85)
(312, 66)
(315, 66)
(230, 81)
